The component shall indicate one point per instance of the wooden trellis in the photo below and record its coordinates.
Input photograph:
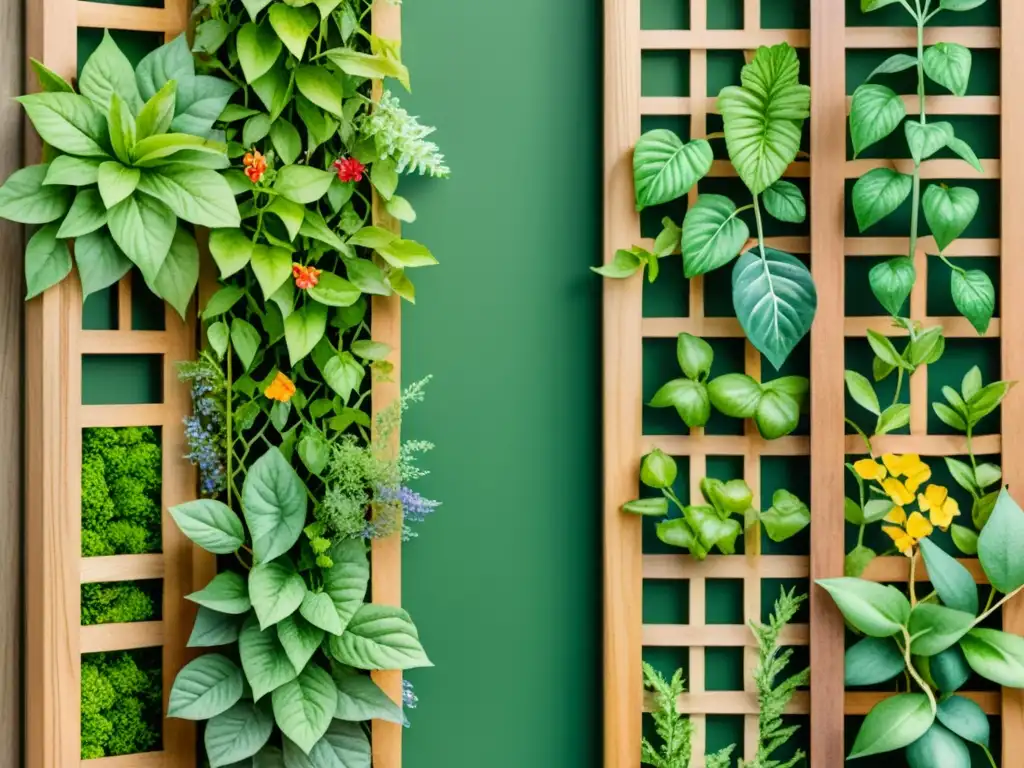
(55, 417)
(625, 329)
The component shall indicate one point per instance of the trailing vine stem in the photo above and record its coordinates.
(914, 673)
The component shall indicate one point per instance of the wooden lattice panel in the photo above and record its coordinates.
(625, 328)
(55, 569)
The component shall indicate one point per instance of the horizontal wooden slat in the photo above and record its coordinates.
(952, 327)
(898, 246)
(122, 568)
(720, 39)
(930, 169)
(122, 637)
(123, 342)
(143, 415)
(906, 37)
(727, 703)
(948, 105)
(896, 568)
(725, 445)
(110, 16)
(716, 636)
(861, 702)
(726, 567)
(723, 169)
(927, 445)
(143, 760)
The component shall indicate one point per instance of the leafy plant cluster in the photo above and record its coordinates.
(676, 731)
(876, 112)
(116, 603)
(699, 528)
(775, 406)
(132, 157)
(121, 703)
(121, 478)
(773, 293)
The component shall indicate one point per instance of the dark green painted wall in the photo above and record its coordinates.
(504, 582)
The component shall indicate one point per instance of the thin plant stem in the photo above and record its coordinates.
(914, 673)
(913, 587)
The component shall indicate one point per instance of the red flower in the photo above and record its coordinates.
(305, 277)
(255, 165)
(349, 169)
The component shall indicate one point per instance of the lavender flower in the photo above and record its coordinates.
(409, 699)
(414, 507)
(205, 429)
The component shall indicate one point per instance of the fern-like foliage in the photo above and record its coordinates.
(674, 730)
(772, 698)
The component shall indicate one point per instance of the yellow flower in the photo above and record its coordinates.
(869, 469)
(941, 507)
(281, 388)
(908, 466)
(906, 531)
(897, 491)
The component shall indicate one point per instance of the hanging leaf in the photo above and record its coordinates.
(893, 723)
(775, 301)
(938, 747)
(877, 194)
(785, 202)
(664, 168)
(875, 112)
(974, 297)
(927, 139)
(949, 65)
(713, 235)
(763, 117)
(949, 211)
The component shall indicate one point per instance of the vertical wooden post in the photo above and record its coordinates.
(828, 163)
(623, 586)
(386, 327)
(1011, 270)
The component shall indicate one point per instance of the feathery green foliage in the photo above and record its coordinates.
(772, 699)
(115, 603)
(121, 705)
(120, 491)
(674, 730)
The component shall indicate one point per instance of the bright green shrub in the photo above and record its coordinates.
(120, 491)
(120, 704)
(115, 603)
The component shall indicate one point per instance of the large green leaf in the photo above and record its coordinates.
(318, 609)
(380, 637)
(276, 590)
(237, 734)
(343, 746)
(974, 296)
(87, 214)
(949, 211)
(47, 261)
(877, 610)
(735, 394)
(226, 593)
(157, 113)
(231, 250)
(891, 282)
(179, 274)
(893, 723)
(211, 524)
(664, 168)
(361, 699)
(785, 202)
(788, 515)
(322, 88)
(875, 112)
(68, 122)
(213, 629)
(245, 340)
(121, 125)
(949, 65)
(1000, 544)
(688, 397)
(952, 582)
(305, 706)
(293, 25)
(100, 262)
(71, 171)
(258, 49)
(334, 291)
(168, 148)
(713, 234)
(949, 669)
(346, 581)
(107, 71)
(172, 61)
(199, 102)
(878, 193)
(995, 655)
(143, 228)
(775, 301)
(764, 116)
(264, 660)
(873, 660)
(271, 265)
(303, 330)
(965, 718)
(926, 139)
(299, 638)
(274, 502)
(938, 748)
(302, 184)
(936, 627)
(374, 66)
(199, 196)
(26, 199)
(205, 687)
(116, 182)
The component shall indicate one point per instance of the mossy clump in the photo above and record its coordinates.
(121, 703)
(121, 475)
(117, 603)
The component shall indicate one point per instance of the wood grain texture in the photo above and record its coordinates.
(828, 152)
(622, 366)
(1011, 275)
(386, 326)
(11, 306)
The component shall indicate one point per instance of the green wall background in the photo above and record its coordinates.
(504, 581)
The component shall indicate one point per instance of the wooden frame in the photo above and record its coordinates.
(625, 328)
(55, 417)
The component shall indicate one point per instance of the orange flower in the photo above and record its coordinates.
(281, 388)
(305, 277)
(255, 165)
